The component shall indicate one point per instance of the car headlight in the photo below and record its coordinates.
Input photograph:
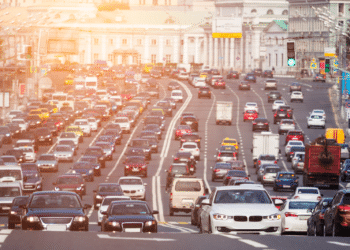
(114, 224)
(48, 136)
(8, 134)
(140, 190)
(220, 216)
(74, 172)
(150, 223)
(79, 188)
(91, 171)
(273, 217)
(37, 122)
(98, 197)
(14, 212)
(33, 219)
(97, 167)
(79, 218)
(57, 189)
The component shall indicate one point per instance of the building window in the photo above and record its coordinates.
(154, 58)
(134, 59)
(285, 12)
(276, 40)
(276, 59)
(168, 42)
(282, 59)
(282, 41)
(270, 12)
(154, 42)
(254, 11)
(95, 41)
(125, 41)
(181, 58)
(111, 41)
(95, 56)
(341, 9)
(139, 41)
(110, 57)
(168, 58)
(269, 60)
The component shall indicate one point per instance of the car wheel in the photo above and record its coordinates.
(171, 212)
(308, 126)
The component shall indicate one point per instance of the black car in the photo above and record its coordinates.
(273, 96)
(129, 216)
(134, 152)
(69, 143)
(55, 209)
(204, 92)
(185, 157)
(17, 211)
(154, 120)
(192, 137)
(6, 133)
(86, 169)
(17, 153)
(244, 85)
(98, 152)
(92, 160)
(34, 121)
(166, 106)
(106, 189)
(32, 179)
(232, 75)
(15, 129)
(52, 127)
(295, 86)
(261, 124)
(267, 73)
(173, 85)
(155, 128)
(250, 77)
(142, 144)
(155, 74)
(191, 121)
(135, 165)
(219, 170)
(257, 72)
(288, 108)
(280, 115)
(115, 134)
(316, 221)
(196, 209)
(152, 140)
(44, 135)
(319, 78)
(176, 170)
(345, 173)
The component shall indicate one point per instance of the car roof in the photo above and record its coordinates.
(108, 184)
(130, 177)
(248, 186)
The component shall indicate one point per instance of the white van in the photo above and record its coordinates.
(177, 95)
(8, 191)
(11, 173)
(184, 193)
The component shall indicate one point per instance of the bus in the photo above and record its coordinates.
(91, 83)
(79, 83)
(62, 100)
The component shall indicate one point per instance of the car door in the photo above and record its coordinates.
(329, 213)
(205, 215)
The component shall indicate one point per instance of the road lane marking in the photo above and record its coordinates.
(90, 212)
(339, 243)
(253, 243)
(106, 236)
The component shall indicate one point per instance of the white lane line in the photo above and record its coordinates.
(90, 212)
(262, 103)
(339, 243)
(253, 243)
(182, 229)
(154, 197)
(206, 149)
(6, 231)
(106, 236)
(3, 238)
(160, 204)
(284, 164)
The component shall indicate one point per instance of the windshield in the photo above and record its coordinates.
(55, 201)
(135, 160)
(272, 170)
(242, 197)
(223, 166)
(109, 188)
(108, 201)
(267, 158)
(9, 192)
(63, 149)
(188, 186)
(11, 173)
(130, 182)
(308, 191)
(68, 180)
(46, 158)
(20, 201)
(121, 120)
(81, 123)
(59, 97)
(302, 205)
(140, 143)
(129, 209)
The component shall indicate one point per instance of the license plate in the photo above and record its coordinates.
(188, 123)
(282, 115)
(132, 230)
(260, 124)
(135, 170)
(286, 186)
(41, 139)
(52, 227)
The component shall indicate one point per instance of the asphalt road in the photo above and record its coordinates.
(176, 231)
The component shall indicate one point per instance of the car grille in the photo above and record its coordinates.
(132, 225)
(130, 191)
(255, 218)
(240, 218)
(56, 220)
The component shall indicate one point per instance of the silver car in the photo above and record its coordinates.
(270, 174)
(292, 143)
(286, 125)
(298, 162)
(64, 153)
(260, 172)
(69, 136)
(107, 149)
(47, 162)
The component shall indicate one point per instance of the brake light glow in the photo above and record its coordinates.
(321, 216)
(216, 170)
(289, 214)
(219, 154)
(275, 162)
(319, 198)
(344, 208)
(259, 162)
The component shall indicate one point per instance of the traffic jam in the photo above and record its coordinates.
(131, 149)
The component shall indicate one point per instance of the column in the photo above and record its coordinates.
(196, 53)
(89, 50)
(146, 58)
(104, 56)
(130, 59)
(216, 52)
(205, 50)
(232, 53)
(210, 50)
(185, 53)
(161, 49)
(176, 52)
(227, 52)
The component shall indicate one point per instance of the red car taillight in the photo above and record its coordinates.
(275, 162)
(259, 162)
(344, 208)
(289, 214)
(216, 170)
(254, 123)
(321, 216)
(319, 198)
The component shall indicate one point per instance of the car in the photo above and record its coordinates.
(280, 115)
(267, 73)
(265, 159)
(177, 95)
(17, 153)
(197, 209)
(191, 121)
(71, 144)
(181, 130)
(115, 134)
(290, 144)
(17, 211)
(269, 174)
(93, 124)
(173, 85)
(299, 162)
(307, 193)
(247, 208)
(285, 180)
(261, 124)
(294, 215)
(28, 152)
(166, 106)
(135, 165)
(171, 101)
(276, 104)
(124, 123)
(47, 162)
(142, 144)
(235, 174)
(271, 83)
(345, 173)
(251, 106)
(24, 126)
(155, 129)
(232, 75)
(198, 82)
(191, 147)
(6, 133)
(295, 86)
(229, 142)
(129, 216)
(226, 153)
(250, 78)
(257, 72)
(64, 153)
(337, 214)
(69, 136)
(315, 223)
(295, 135)
(107, 200)
(250, 115)
(105, 190)
(244, 85)
(296, 96)
(15, 129)
(191, 137)
(133, 187)
(204, 92)
(319, 112)
(273, 96)
(70, 182)
(45, 209)
(293, 150)
(219, 83)
(97, 152)
(185, 157)
(316, 121)
(176, 170)
(288, 108)
(32, 179)
(319, 78)
(239, 182)
(285, 125)
(220, 170)
(107, 148)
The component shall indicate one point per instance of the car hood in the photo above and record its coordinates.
(245, 209)
(55, 212)
(32, 181)
(131, 218)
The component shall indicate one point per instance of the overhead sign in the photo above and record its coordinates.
(329, 51)
(227, 27)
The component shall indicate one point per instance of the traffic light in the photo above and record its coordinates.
(290, 54)
(327, 67)
(28, 54)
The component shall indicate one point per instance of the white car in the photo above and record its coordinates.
(295, 213)
(307, 193)
(133, 187)
(251, 106)
(93, 124)
(124, 123)
(319, 112)
(69, 136)
(29, 153)
(247, 208)
(22, 124)
(316, 121)
(13, 113)
(297, 96)
(177, 95)
(290, 144)
(215, 78)
(183, 76)
(296, 157)
(117, 99)
(84, 125)
(191, 147)
(270, 83)
(286, 125)
(199, 82)
(276, 104)
(105, 204)
(102, 94)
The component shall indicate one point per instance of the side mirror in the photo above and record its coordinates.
(87, 206)
(278, 202)
(155, 212)
(206, 202)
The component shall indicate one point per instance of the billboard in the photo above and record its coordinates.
(56, 46)
(227, 27)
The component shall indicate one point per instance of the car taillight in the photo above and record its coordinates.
(216, 170)
(266, 123)
(234, 154)
(275, 162)
(254, 123)
(181, 149)
(199, 92)
(171, 196)
(209, 92)
(289, 214)
(228, 177)
(219, 154)
(275, 115)
(319, 198)
(343, 208)
(278, 180)
(321, 216)
(176, 159)
(183, 140)
(296, 197)
(292, 153)
(247, 178)
(197, 149)
(259, 162)
(264, 177)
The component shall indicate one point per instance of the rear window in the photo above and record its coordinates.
(179, 169)
(189, 146)
(226, 154)
(223, 166)
(295, 133)
(307, 191)
(268, 158)
(302, 205)
(188, 186)
(288, 122)
(272, 170)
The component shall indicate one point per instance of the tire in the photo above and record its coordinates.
(24, 227)
(318, 230)
(308, 126)
(171, 212)
(95, 207)
(11, 225)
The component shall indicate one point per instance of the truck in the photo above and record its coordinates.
(322, 165)
(265, 143)
(336, 134)
(223, 112)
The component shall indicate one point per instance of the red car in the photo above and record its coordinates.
(250, 115)
(295, 135)
(181, 130)
(220, 84)
(135, 165)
